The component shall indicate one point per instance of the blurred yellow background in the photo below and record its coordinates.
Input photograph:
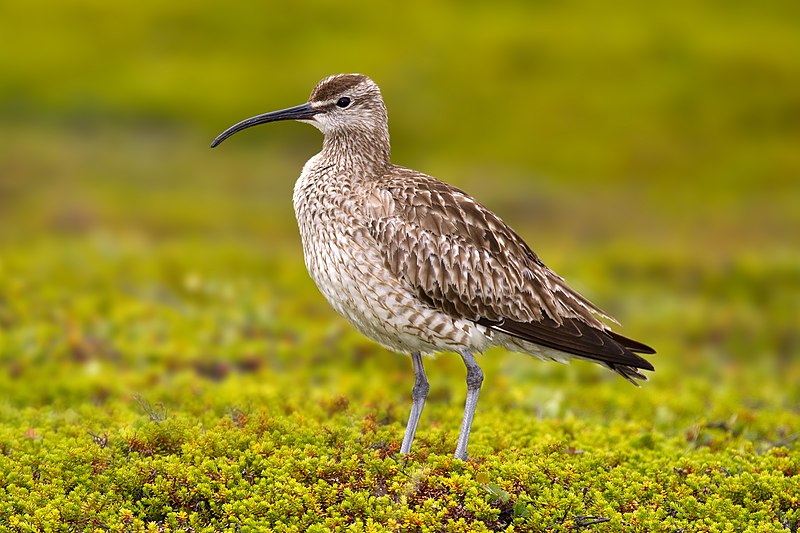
(649, 152)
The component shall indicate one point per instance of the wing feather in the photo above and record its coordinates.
(464, 260)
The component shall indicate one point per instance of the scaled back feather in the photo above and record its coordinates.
(462, 259)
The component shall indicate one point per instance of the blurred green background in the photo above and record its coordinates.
(648, 151)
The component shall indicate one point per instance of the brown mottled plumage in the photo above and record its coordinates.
(421, 267)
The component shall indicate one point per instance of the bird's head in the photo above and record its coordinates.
(339, 104)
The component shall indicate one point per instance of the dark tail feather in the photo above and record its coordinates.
(632, 345)
(573, 336)
(631, 373)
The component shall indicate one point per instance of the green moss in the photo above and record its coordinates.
(141, 406)
(169, 411)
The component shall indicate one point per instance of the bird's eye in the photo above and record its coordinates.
(343, 102)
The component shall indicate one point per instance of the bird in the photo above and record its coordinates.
(419, 266)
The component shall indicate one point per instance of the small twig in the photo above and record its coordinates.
(584, 521)
(785, 441)
(154, 415)
(100, 440)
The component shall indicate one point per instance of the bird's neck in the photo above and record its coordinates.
(358, 152)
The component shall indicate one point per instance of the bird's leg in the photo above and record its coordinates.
(418, 395)
(474, 381)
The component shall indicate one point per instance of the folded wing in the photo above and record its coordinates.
(462, 259)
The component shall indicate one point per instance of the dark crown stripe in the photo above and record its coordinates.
(335, 86)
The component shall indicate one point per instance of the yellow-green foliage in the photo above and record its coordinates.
(143, 389)
(167, 365)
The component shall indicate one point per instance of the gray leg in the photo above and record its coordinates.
(418, 395)
(474, 380)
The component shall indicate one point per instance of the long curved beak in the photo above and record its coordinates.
(298, 112)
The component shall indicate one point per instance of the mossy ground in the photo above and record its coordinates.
(167, 365)
(145, 391)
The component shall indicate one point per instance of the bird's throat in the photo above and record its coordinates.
(357, 150)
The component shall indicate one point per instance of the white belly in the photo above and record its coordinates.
(348, 268)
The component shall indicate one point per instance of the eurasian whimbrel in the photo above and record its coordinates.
(420, 267)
